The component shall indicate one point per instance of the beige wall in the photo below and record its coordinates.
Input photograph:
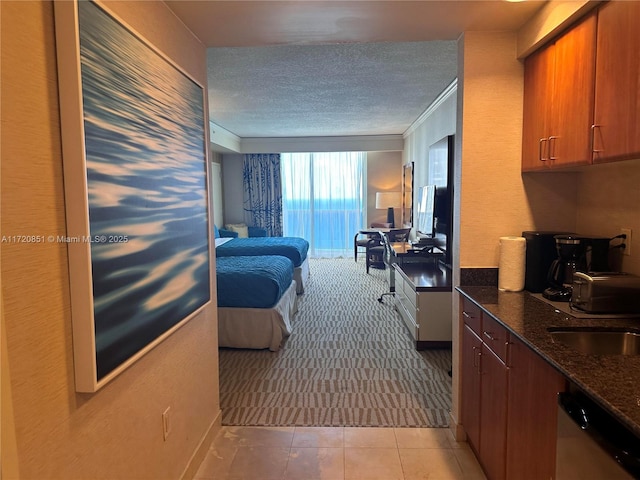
(437, 123)
(608, 200)
(48, 430)
(495, 199)
(384, 174)
(492, 198)
(233, 209)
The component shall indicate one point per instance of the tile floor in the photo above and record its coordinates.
(320, 453)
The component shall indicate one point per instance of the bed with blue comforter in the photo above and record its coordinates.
(264, 277)
(294, 248)
(257, 300)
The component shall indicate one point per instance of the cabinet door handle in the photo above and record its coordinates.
(541, 149)
(488, 335)
(593, 140)
(476, 356)
(552, 148)
(508, 353)
(467, 315)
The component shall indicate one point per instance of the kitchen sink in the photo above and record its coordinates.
(599, 341)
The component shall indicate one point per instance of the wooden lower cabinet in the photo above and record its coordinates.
(508, 402)
(531, 414)
(470, 389)
(493, 414)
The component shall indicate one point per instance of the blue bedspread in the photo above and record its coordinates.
(252, 281)
(293, 248)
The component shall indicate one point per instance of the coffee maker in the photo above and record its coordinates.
(539, 255)
(575, 253)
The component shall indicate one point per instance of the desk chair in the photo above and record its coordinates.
(389, 259)
(376, 246)
(363, 242)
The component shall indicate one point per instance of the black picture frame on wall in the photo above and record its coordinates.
(136, 194)
(440, 174)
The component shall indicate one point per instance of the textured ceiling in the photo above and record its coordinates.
(326, 90)
(334, 68)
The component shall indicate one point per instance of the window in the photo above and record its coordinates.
(324, 199)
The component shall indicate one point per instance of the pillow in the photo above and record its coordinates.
(216, 231)
(240, 228)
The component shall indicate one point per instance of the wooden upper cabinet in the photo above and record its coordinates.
(538, 91)
(558, 100)
(617, 101)
(572, 104)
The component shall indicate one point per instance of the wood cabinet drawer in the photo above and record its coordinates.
(472, 315)
(495, 336)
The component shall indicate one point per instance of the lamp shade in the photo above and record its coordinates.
(388, 199)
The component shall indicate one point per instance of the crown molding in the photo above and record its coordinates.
(362, 143)
(450, 90)
(223, 140)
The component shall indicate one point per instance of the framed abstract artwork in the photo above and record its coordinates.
(135, 178)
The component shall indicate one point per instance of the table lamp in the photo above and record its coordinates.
(389, 200)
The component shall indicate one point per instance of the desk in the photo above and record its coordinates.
(404, 251)
(423, 300)
(422, 293)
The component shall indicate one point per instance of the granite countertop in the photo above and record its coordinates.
(613, 381)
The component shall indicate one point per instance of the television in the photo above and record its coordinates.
(440, 174)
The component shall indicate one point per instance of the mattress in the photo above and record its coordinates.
(294, 248)
(252, 281)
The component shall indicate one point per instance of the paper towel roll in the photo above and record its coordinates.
(512, 264)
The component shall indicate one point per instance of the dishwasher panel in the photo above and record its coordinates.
(591, 444)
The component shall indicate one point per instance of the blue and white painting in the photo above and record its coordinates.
(146, 176)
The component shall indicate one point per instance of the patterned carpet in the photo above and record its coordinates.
(349, 362)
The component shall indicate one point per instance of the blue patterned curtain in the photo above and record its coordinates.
(263, 192)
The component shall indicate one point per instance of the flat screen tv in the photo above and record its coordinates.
(440, 174)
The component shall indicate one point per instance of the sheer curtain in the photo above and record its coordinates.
(323, 199)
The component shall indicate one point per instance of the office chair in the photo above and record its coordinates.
(376, 248)
(363, 242)
(389, 259)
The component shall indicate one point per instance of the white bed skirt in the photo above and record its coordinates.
(301, 275)
(258, 327)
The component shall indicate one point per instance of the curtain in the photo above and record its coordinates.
(263, 192)
(323, 196)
